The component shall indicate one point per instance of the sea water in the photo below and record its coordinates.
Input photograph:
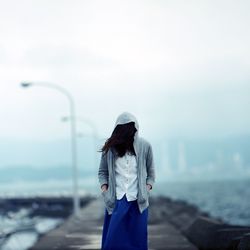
(225, 199)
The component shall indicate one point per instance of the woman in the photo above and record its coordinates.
(126, 176)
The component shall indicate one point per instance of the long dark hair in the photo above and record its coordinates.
(121, 140)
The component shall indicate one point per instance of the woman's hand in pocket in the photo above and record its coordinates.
(149, 187)
(104, 187)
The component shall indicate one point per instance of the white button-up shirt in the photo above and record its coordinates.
(126, 177)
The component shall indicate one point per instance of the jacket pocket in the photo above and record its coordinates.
(144, 194)
(105, 194)
(148, 193)
(107, 198)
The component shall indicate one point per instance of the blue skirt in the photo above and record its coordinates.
(126, 227)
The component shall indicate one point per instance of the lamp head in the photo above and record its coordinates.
(64, 118)
(26, 84)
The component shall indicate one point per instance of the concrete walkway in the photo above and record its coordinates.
(85, 233)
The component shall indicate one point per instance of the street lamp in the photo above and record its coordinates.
(93, 127)
(86, 121)
(76, 202)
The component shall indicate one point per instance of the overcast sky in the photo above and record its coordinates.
(181, 67)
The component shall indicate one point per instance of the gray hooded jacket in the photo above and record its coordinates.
(145, 168)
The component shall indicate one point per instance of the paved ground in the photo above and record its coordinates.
(85, 233)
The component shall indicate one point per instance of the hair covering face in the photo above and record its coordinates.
(127, 117)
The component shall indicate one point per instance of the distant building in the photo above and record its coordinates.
(182, 163)
(165, 170)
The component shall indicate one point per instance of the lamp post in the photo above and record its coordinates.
(76, 201)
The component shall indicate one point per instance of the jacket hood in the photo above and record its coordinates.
(127, 117)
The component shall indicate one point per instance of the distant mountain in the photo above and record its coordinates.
(15, 152)
(33, 160)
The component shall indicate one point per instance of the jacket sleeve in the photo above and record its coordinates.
(150, 167)
(103, 174)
